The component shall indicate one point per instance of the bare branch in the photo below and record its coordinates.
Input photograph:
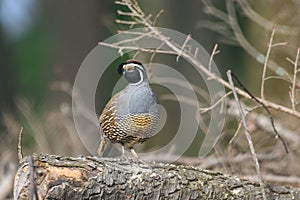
(270, 46)
(176, 49)
(214, 52)
(263, 122)
(236, 132)
(119, 12)
(265, 65)
(20, 153)
(204, 110)
(157, 16)
(183, 46)
(251, 146)
(278, 77)
(131, 23)
(266, 109)
(294, 80)
(121, 48)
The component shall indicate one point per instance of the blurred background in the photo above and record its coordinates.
(43, 43)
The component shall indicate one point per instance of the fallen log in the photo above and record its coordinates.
(88, 177)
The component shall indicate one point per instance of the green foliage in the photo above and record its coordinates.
(31, 57)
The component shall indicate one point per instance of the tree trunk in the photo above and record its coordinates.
(87, 177)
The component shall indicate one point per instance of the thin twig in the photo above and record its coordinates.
(138, 48)
(262, 122)
(204, 110)
(156, 17)
(136, 54)
(212, 55)
(294, 80)
(120, 12)
(121, 3)
(126, 22)
(278, 77)
(20, 153)
(151, 61)
(183, 46)
(266, 64)
(236, 132)
(270, 46)
(280, 44)
(251, 146)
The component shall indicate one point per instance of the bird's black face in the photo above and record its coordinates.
(133, 71)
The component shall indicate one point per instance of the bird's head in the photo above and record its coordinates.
(133, 71)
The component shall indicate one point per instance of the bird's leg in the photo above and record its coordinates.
(136, 157)
(123, 155)
(104, 146)
(134, 154)
(123, 151)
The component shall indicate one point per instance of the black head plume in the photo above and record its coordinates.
(120, 68)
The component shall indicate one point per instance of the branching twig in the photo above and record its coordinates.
(183, 46)
(242, 115)
(176, 49)
(214, 52)
(265, 65)
(157, 16)
(270, 46)
(266, 108)
(263, 122)
(204, 110)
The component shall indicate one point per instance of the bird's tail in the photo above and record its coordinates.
(104, 146)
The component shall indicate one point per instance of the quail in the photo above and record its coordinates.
(132, 115)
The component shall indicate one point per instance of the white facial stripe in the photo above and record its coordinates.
(141, 75)
(138, 66)
(132, 65)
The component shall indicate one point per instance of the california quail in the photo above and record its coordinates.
(132, 115)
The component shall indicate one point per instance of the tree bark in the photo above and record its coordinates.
(87, 177)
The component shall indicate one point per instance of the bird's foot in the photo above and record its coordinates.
(136, 158)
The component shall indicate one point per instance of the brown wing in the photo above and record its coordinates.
(107, 119)
(108, 110)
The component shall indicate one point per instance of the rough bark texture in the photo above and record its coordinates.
(86, 177)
